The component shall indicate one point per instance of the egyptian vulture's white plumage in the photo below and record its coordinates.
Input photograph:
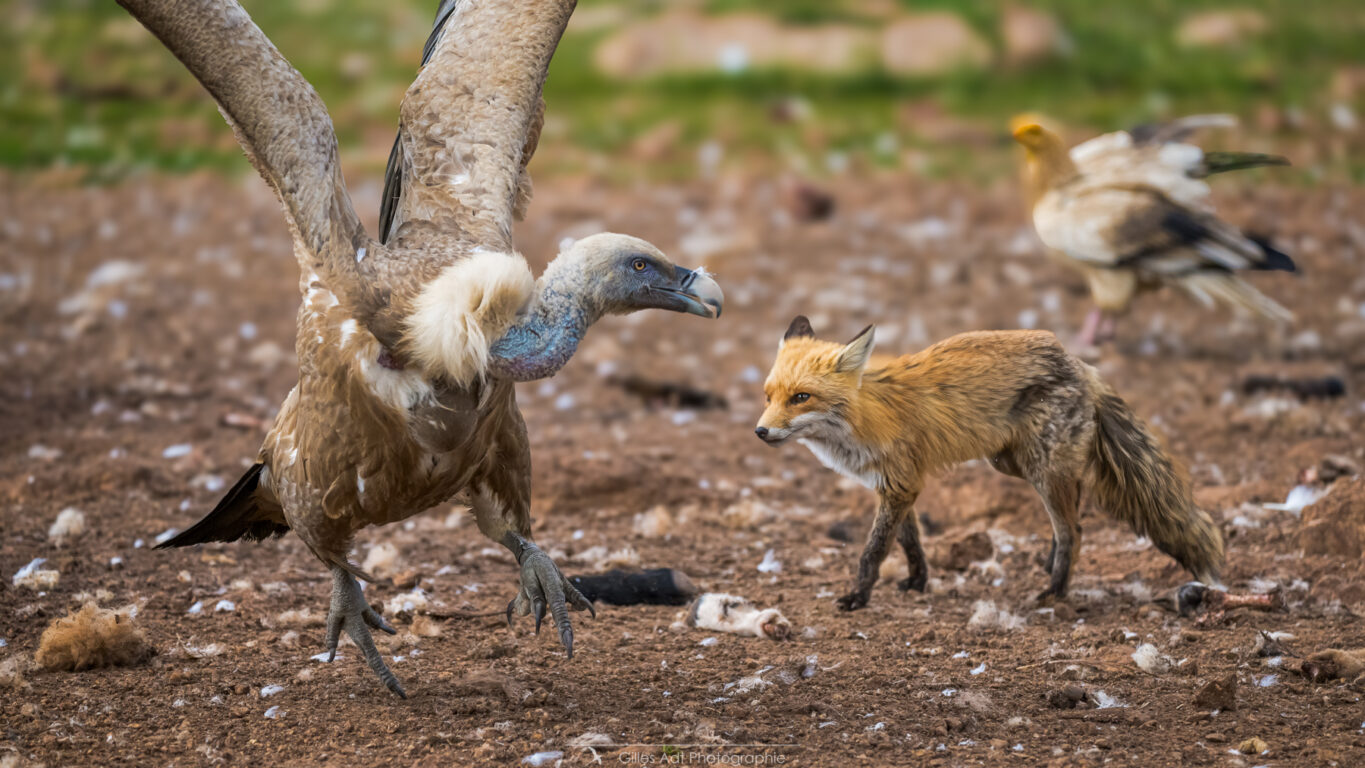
(408, 346)
(1130, 210)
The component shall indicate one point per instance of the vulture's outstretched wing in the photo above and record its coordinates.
(1159, 155)
(470, 116)
(277, 116)
(393, 171)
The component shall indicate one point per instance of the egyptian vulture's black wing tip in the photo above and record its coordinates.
(1275, 259)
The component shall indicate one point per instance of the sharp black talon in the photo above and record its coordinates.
(540, 613)
(566, 637)
(591, 610)
(510, 604)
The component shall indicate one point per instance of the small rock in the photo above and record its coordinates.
(967, 550)
(1252, 746)
(1218, 694)
(1031, 35)
(407, 579)
(1066, 697)
(932, 43)
(1215, 738)
(1220, 29)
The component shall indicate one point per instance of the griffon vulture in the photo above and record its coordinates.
(408, 347)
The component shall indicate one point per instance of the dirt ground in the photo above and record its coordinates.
(139, 320)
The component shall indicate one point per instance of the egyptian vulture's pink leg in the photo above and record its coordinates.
(1090, 330)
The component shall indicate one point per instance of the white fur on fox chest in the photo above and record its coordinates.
(847, 460)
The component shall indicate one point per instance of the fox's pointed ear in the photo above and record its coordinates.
(799, 328)
(855, 353)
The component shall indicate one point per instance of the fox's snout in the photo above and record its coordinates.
(762, 433)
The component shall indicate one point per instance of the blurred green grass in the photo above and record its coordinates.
(87, 87)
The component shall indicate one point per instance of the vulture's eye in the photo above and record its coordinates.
(799, 398)
(638, 265)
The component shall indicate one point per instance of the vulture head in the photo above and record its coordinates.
(605, 274)
(620, 274)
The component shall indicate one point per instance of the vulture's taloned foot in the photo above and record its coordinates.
(352, 613)
(544, 586)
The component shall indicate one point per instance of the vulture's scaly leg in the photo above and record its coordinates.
(542, 586)
(352, 613)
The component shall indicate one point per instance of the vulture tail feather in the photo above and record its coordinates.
(1228, 289)
(233, 518)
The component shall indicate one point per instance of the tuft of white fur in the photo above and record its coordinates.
(465, 309)
(986, 616)
(69, 524)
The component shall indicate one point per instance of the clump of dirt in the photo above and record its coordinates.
(1335, 525)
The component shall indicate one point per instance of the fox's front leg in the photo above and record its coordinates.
(890, 512)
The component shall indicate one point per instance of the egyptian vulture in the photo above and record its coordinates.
(1130, 210)
(409, 348)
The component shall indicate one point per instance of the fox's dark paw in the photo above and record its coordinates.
(916, 583)
(852, 601)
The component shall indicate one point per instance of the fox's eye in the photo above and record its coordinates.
(638, 265)
(799, 398)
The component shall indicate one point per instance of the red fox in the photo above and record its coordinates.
(1015, 397)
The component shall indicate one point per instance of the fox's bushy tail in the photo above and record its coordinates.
(1135, 480)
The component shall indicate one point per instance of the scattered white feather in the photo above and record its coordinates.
(978, 669)
(177, 451)
(382, 559)
(69, 524)
(163, 537)
(274, 712)
(35, 577)
(985, 615)
(197, 608)
(1300, 497)
(542, 758)
(200, 651)
(1267, 681)
(1105, 701)
(225, 606)
(1151, 660)
(407, 603)
(654, 523)
(770, 563)
(270, 690)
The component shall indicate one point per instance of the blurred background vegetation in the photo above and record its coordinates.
(687, 88)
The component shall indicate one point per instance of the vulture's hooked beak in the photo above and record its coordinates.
(695, 293)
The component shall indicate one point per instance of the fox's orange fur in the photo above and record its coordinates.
(1015, 397)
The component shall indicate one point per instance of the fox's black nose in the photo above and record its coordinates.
(762, 432)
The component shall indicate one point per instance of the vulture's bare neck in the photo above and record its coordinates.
(548, 332)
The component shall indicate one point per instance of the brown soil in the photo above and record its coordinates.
(137, 366)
